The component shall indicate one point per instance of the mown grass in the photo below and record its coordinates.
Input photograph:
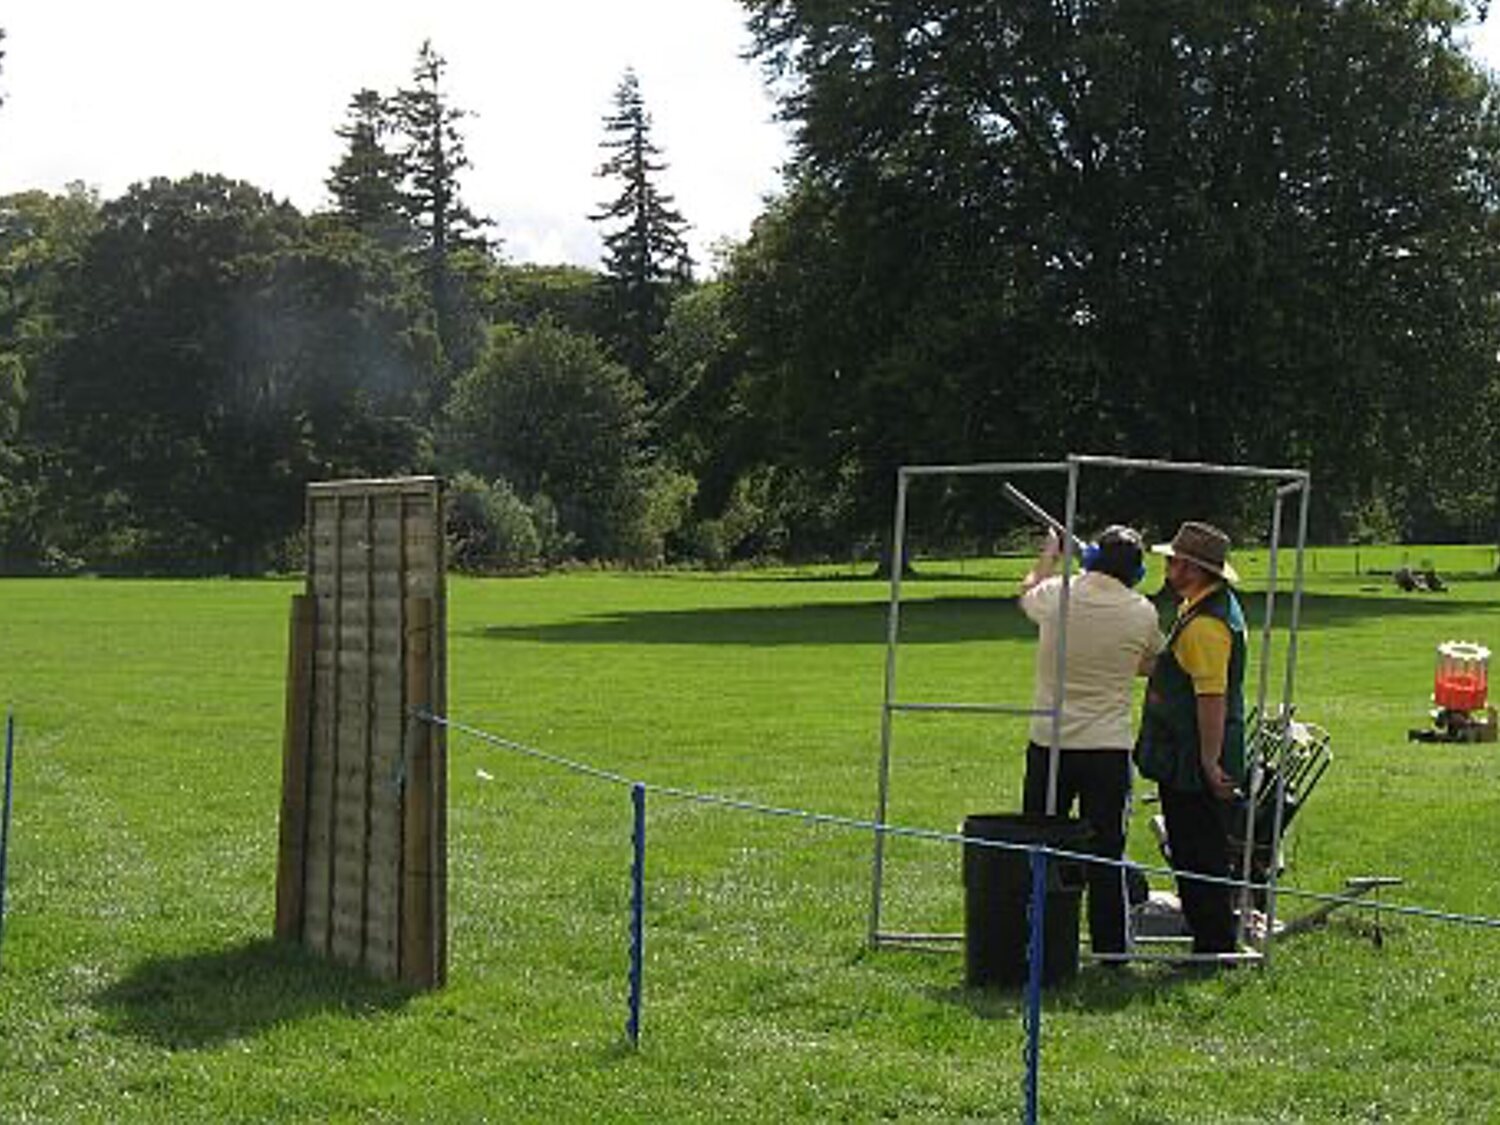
(138, 982)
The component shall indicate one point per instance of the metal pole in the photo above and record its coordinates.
(637, 912)
(1200, 467)
(1035, 953)
(1269, 622)
(1277, 821)
(1247, 855)
(983, 468)
(1060, 688)
(892, 633)
(1294, 625)
(10, 747)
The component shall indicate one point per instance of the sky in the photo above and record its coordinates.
(112, 92)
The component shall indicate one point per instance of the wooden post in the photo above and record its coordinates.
(419, 936)
(291, 872)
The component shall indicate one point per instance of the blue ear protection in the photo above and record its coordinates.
(1092, 553)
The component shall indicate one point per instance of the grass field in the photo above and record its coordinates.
(138, 982)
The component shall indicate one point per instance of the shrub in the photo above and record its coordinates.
(491, 528)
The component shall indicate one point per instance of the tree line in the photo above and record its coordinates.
(1235, 233)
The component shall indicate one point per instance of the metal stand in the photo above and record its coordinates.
(1288, 482)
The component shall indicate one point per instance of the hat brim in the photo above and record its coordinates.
(1225, 571)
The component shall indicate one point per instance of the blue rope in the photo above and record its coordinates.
(888, 829)
(521, 748)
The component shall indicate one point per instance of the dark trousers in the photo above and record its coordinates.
(1100, 781)
(1198, 832)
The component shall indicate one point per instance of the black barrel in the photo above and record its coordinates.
(997, 891)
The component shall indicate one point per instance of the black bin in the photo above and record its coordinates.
(997, 891)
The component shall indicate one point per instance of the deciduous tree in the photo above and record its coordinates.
(546, 410)
(42, 238)
(1219, 232)
(217, 352)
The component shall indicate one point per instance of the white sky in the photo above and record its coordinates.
(114, 91)
(111, 92)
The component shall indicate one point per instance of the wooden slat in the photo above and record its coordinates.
(418, 949)
(296, 746)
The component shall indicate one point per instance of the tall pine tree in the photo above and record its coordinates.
(646, 257)
(433, 156)
(366, 185)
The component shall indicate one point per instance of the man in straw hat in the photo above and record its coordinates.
(1192, 737)
(1113, 636)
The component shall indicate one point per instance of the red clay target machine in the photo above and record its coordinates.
(1460, 689)
(1287, 756)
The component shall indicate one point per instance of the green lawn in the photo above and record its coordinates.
(138, 981)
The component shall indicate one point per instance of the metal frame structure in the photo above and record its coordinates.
(1288, 482)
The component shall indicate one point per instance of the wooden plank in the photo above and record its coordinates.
(418, 952)
(347, 930)
(333, 522)
(417, 486)
(367, 717)
(381, 958)
(356, 664)
(438, 689)
(385, 879)
(384, 618)
(383, 919)
(296, 739)
(383, 905)
(385, 832)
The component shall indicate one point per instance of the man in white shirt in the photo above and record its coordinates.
(1113, 637)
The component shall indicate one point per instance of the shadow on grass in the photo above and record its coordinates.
(938, 621)
(1095, 989)
(943, 620)
(205, 999)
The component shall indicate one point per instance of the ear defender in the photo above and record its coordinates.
(1094, 559)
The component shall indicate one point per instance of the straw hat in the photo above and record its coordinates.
(1203, 544)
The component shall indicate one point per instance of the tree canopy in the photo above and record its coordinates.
(1230, 232)
(1203, 232)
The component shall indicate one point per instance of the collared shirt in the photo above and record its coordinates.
(1110, 629)
(1202, 647)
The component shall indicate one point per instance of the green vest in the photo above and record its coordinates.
(1166, 750)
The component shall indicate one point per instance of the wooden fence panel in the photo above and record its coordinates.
(362, 869)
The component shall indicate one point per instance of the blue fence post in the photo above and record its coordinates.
(10, 747)
(637, 912)
(1037, 911)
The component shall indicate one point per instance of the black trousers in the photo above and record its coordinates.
(1100, 781)
(1198, 831)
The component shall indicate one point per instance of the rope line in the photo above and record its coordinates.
(522, 748)
(933, 834)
